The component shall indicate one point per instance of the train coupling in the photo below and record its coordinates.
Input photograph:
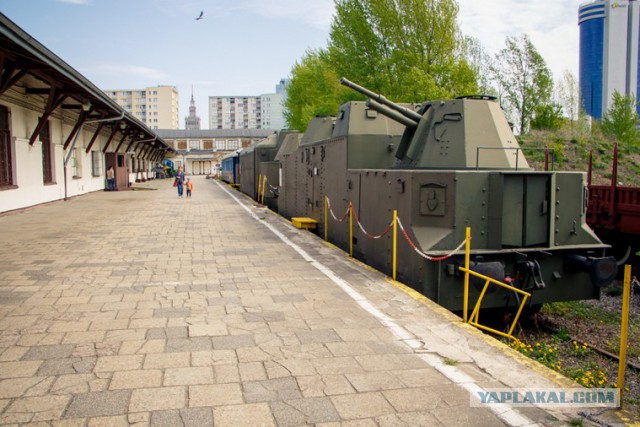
(531, 274)
(602, 271)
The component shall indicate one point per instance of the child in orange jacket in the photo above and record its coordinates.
(189, 184)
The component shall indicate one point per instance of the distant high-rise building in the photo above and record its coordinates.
(155, 106)
(234, 112)
(272, 116)
(192, 122)
(609, 36)
(265, 111)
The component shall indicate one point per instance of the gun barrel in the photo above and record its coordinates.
(381, 100)
(394, 115)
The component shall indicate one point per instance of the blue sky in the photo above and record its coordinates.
(244, 47)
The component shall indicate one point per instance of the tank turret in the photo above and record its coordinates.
(463, 133)
(379, 103)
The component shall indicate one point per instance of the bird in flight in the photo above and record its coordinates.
(200, 17)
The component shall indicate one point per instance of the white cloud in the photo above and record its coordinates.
(317, 13)
(130, 71)
(550, 24)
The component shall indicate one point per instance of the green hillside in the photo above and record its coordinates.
(572, 150)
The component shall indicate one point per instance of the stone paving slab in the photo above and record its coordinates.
(141, 308)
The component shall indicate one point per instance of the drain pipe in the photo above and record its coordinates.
(73, 144)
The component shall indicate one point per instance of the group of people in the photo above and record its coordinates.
(180, 182)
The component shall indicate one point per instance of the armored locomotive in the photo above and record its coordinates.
(445, 166)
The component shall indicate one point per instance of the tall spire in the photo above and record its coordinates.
(192, 121)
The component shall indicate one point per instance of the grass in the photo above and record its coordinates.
(597, 323)
(571, 149)
(579, 310)
(450, 362)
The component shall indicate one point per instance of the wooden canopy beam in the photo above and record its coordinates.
(129, 146)
(76, 128)
(56, 97)
(10, 76)
(113, 133)
(94, 137)
(124, 136)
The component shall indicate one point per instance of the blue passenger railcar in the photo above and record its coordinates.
(229, 168)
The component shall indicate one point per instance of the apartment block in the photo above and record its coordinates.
(234, 112)
(156, 106)
(264, 111)
(272, 115)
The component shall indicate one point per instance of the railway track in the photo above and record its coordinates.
(584, 338)
(553, 330)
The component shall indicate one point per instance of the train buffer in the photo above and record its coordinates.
(304, 223)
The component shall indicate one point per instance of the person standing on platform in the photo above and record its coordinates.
(189, 184)
(179, 181)
(111, 179)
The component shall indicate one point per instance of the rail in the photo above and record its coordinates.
(474, 319)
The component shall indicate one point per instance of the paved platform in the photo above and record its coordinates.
(140, 308)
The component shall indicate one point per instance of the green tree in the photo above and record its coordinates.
(621, 119)
(480, 62)
(524, 79)
(568, 95)
(314, 90)
(547, 116)
(408, 50)
(391, 46)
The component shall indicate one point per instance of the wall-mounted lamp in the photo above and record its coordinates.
(86, 105)
(123, 125)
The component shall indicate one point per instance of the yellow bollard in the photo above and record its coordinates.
(326, 219)
(624, 329)
(467, 255)
(259, 188)
(395, 241)
(350, 230)
(264, 187)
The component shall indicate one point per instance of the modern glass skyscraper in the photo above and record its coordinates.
(609, 57)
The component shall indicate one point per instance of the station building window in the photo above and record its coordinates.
(6, 152)
(96, 163)
(76, 162)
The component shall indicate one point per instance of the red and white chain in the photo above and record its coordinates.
(333, 215)
(422, 254)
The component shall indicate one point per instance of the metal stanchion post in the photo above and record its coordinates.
(395, 241)
(350, 230)
(624, 328)
(467, 253)
(326, 218)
